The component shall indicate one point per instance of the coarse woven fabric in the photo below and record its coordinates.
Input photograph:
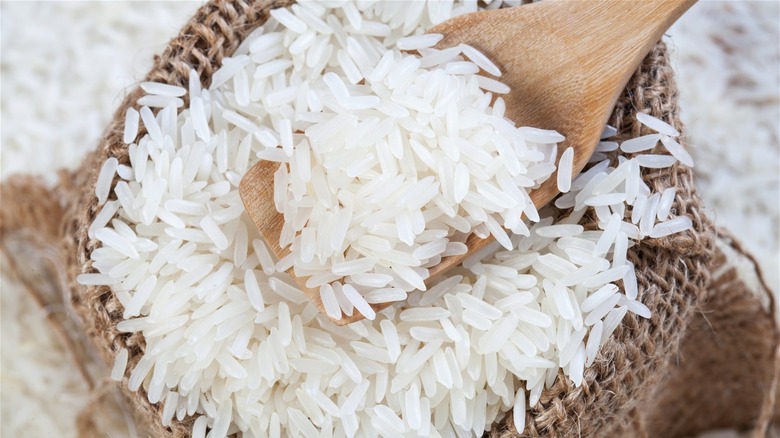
(672, 272)
(727, 359)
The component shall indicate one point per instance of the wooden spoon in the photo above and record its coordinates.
(566, 63)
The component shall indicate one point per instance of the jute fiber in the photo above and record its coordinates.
(644, 362)
(727, 364)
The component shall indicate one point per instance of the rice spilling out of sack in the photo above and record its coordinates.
(391, 153)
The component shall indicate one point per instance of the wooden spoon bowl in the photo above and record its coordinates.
(566, 63)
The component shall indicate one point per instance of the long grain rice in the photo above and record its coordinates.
(201, 286)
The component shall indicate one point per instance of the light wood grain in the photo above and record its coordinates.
(566, 63)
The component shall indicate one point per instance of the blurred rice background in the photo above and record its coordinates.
(66, 65)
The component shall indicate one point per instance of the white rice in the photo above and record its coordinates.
(671, 226)
(639, 144)
(656, 161)
(657, 125)
(677, 150)
(161, 89)
(492, 85)
(94, 279)
(105, 177)
(608, 132)
(419, 41)
(606, 146)
(131, 125)
(155, 101)
(565, 169)
(480, 60)
(195, 278)
(435, 188)
(665, 203)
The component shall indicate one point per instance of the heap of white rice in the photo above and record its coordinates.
(387, 172)
(229, 337)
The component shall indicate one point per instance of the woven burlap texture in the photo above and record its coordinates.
(672, 272)
(727, 365)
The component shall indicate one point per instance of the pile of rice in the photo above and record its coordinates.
(230, 338)
(385, 174)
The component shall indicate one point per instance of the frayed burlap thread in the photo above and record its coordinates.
(672, 272)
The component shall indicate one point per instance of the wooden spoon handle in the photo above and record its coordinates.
(601, 43)
(621, 31)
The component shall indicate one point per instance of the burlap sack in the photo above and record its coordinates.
(646, 361)
(727, 366)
